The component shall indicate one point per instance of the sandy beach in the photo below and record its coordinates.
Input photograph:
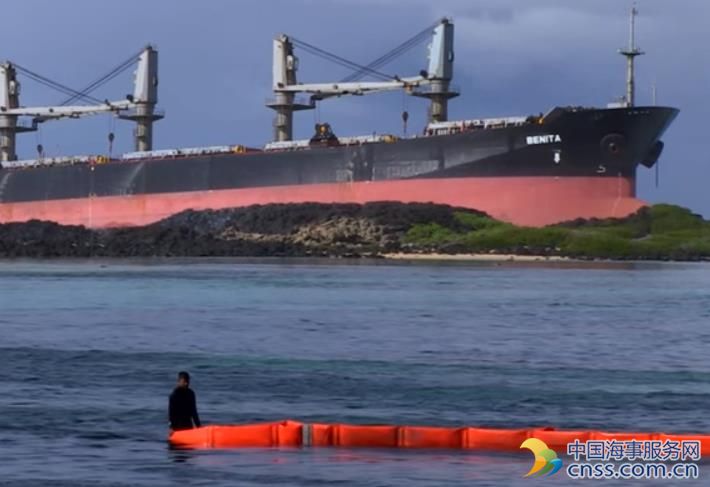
(477, 257)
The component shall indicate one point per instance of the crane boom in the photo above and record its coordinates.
(354, 88)
(55, 112)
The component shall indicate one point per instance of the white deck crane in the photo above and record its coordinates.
(11, 110)
(285, 85)
(145, 97)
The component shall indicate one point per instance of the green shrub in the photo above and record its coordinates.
(671, 218)
(472, 221)
(429, 234)
(596, 245)
(659, 232)
(511, 236)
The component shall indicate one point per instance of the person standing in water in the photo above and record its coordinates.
(182, 410)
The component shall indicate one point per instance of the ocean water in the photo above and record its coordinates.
(89, 351)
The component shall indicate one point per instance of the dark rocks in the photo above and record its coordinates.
(45, 239)
(310, 229)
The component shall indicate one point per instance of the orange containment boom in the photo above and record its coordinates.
(294, 434)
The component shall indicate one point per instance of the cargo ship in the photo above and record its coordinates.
(567, 163)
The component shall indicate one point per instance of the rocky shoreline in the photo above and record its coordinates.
(387, 229)
(297, 230)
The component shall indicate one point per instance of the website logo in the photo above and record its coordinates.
(546, 461)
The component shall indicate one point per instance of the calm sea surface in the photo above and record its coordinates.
(89, 353)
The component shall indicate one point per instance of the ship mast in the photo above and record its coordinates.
(284, 103)
(145, 96)
(9, 99)
(441, 71)
(630, 54)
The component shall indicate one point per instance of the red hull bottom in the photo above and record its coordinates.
(532, 201)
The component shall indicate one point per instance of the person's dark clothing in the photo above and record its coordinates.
(183, 409)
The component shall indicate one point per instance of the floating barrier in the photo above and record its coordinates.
(294, 434)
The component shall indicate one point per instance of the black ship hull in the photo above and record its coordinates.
(573, 163)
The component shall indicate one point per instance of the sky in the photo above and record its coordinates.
(513, 57)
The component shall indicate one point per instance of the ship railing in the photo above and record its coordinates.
(299, 102)
(133, 113)
(53, 161)
(367, 139)
(428, 90)
(184, 152)
(20, 164)
(130, 156)
(350, 140)
(442, 128)
(287, 145)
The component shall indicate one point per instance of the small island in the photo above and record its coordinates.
(386, 229)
